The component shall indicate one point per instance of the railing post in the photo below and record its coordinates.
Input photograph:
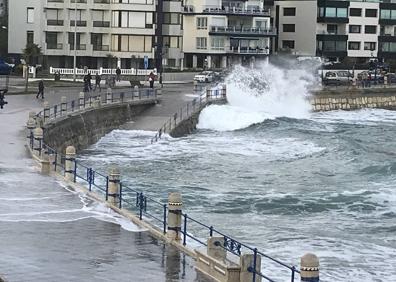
(309, 268)
(109, 96)
(70, 158)
(174, 215)
(75, 171)
(55, 161)
(141, 205)
(38, 137)
(46, 111)
(107, 188)
(250, 266)
(31, 124)
(82, 100)
(90, 178)
(135, 92)
(164, 207)
(63, 105)
(120, 201)
(114, 185)
(185, 230)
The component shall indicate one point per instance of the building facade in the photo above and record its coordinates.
(99, 32)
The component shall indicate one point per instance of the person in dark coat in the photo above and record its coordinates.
(86, 83)
(40, 90)
(118, 73)
(97, 82)
(89, 78)
(151, 79)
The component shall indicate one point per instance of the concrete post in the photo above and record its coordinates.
(39, 122)
(174, 216)
(46, 111)
(114, 185)
(81, 100)
(195, 61)
(309, 268)
(215, 248)
(69, 163)
(31, 124)
(109, 96)
(63, 105)
(38, 138)
(97, 103)
(136, 91)
(32, 114)
(247, 263)
(158, 91)
(45, 163)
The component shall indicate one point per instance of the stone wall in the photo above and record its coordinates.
(353, 99)
(84, 128)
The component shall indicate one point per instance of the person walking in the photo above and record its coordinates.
(89, 78)
(86, 83)
(118, 73)
(151, 79)
(40, 90)
(97, 82)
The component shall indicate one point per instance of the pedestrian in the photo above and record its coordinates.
(89, 78)
(86, 84)
(97, 82)
(40, 89)
(118, 73)
(151, 79)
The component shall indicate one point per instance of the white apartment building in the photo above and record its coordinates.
(218, 33)
(124, 30)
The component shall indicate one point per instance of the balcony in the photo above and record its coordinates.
(245, 31)
(55, 1)
(101, 47)
(79, 1)
(54, 46)
(215, 10)
(55, 22)
(189, 9)
(248, 50)
(78, 23)
(101, 1)
(78, 47)
(101, 24)
(331, 36)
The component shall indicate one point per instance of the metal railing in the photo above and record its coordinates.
(242, 30)
(55, 46)
(78, 23)
(188, 110)
(235, 11)
(55, 22)
(101, 24)
(65, 71)
(78, 46)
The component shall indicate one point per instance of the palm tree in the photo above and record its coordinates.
(30, 54)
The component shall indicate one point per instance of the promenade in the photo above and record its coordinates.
(48, 233)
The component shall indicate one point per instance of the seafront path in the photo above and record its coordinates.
(48, 233)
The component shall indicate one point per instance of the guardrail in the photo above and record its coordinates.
(185, 112)
(100, 71)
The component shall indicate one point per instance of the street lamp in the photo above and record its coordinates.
(75, 42)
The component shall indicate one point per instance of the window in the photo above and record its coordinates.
(30, 15)
(371, 13)
(369, 46)
(131, 43)
(171, 18)
(132, 19)
(201, 43)
(342, 13)
(354, 28)
(355, 12)
(332, 29)
(288, 44)
(202, 23)
(370, 29)
(171, 41)
(289, 28)
(353, 45)
(388, 14)
(331, 12)
(30, 37)
(332, 46)
(289, 12)
(217, 43)
(388, 47)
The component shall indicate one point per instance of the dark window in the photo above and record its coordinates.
(369, 46)
(172, 18)
(370, 29)
(288, 44)
(289, 28)
(353, 45)
(289, 11)
(332, 46)
(371, 13)
(30, 37)
(355, 12)
(332, 29)
(354, 28)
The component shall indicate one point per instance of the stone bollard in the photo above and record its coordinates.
(136, 92)
(114, 185)
(109, 96)
(96, 103)
(215, 248)
(38, 138)
(195, 83)
(63, 105)
(39, 122)
(70, 163)
(247, 263)
(31, 124)
(81, 100)
(158, 92)
(208, 94)
(309, 268)
(224, 91)
(174, 216)
(45, 163)
(32, 115)
(46, 111)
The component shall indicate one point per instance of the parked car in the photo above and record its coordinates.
(205, 76)
(337, 78)
(391, 78)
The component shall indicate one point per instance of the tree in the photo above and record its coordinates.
(31, 54)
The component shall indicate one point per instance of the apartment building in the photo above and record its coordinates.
(98, 32)
(219, 33)
(337, 29)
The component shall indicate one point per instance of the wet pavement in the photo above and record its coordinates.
(48, 233)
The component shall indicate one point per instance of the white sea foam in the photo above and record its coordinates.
(363, 116)
(254, 95)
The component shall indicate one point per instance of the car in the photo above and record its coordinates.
(205, 76)
(337, 78)
(391, 78)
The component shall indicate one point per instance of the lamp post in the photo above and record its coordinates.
(75, 42)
